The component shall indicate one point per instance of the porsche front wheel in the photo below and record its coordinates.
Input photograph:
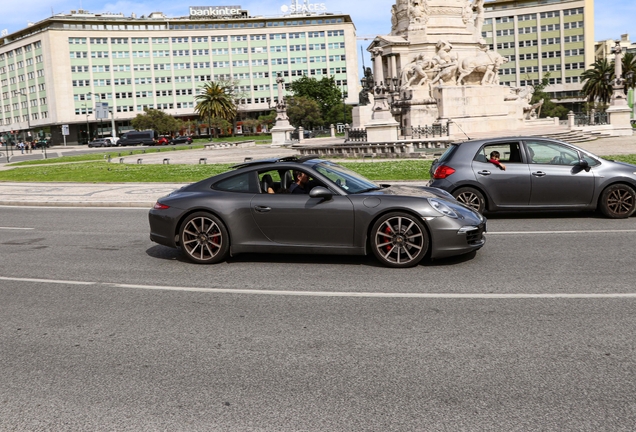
(399, 240)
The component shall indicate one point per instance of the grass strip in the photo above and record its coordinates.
(104, 172)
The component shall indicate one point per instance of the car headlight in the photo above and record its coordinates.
(443, 208)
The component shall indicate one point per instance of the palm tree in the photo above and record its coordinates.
(629, 65)
(215, 101)
(597, 86)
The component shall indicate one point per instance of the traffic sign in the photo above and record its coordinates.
(65, 130)
(101, 110)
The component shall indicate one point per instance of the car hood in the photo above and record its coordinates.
(418, 191)
(631, 167)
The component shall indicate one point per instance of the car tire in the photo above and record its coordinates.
(204, 239)
(618, 201)
(471, 197)
(399, 240)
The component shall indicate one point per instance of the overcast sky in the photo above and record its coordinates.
(371, 17)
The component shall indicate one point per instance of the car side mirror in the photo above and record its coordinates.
(320, 192)
(582, 163)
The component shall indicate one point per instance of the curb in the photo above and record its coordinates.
(102, 204)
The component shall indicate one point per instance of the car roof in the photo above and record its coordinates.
(288, 159)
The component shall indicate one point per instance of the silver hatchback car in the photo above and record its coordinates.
(533, 173)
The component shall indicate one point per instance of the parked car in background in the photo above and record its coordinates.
(181, 140)
(43, 143)
(99, 142)
(147, 137)
(539, 174)
(306, 134)
(163, 140)
(112, 141)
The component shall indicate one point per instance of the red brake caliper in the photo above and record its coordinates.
(387, 231)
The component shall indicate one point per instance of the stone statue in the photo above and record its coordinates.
(394, 19)
(486, 62)
(363, 96)
(445, 62)
(418, 12)
(478, 7)
(467, 13)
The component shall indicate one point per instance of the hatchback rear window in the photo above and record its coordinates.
(448, 153)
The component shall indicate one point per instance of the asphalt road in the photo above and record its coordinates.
(103, 330)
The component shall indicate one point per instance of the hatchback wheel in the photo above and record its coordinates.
(399, 240)
(204, 239)
(471, 197)
(618, 201)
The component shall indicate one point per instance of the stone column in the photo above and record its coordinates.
(619, 112)
(332, 129)
(571, 120)
(301, 134)
(382, 127)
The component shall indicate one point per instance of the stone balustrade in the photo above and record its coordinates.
(386, 150)
(220, 145)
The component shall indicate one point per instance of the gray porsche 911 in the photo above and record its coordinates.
(253, 208)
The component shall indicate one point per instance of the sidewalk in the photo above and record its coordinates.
(145, 195)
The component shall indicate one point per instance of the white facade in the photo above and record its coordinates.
(53, 73)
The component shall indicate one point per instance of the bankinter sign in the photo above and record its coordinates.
(214, 11)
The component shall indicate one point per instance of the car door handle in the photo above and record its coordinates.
(262, 209)
(538, 174)
(484, 172)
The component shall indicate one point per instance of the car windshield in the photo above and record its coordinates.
(345, 179)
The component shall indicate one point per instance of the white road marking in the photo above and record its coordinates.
(560, 232)
(468, 296)
(15, 228)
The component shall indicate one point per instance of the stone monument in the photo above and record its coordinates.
(619, 111)
(281, 132)
(443, 68)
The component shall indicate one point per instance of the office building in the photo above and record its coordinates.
(541, 37)
(54, 72)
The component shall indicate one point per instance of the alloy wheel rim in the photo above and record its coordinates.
(399, 240)
(470, 199)
(620, 201)
(202, 238)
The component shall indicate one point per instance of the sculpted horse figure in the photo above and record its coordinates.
(487, 63)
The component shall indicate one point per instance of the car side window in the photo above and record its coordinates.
(270, 181)
(508, 152)
(237, 183)
(543, 152)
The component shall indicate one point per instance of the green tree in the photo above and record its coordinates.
(268, 119)
(340, 113)
(157, 120)
(215, 101)
(250, 125)
(304, 111)
(549, 108)
(324, 91)
(596, 85)
(217, 124)
(629, 65)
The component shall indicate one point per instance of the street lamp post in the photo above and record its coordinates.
(88, 133)
(23, 93)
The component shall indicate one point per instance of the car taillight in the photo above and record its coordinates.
(443, 171)
(159, 206)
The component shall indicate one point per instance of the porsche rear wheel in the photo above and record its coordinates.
(204, 238)
(399, 240)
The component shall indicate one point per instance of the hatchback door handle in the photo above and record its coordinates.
(484, 172)
(262, 209)
(538, 174)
